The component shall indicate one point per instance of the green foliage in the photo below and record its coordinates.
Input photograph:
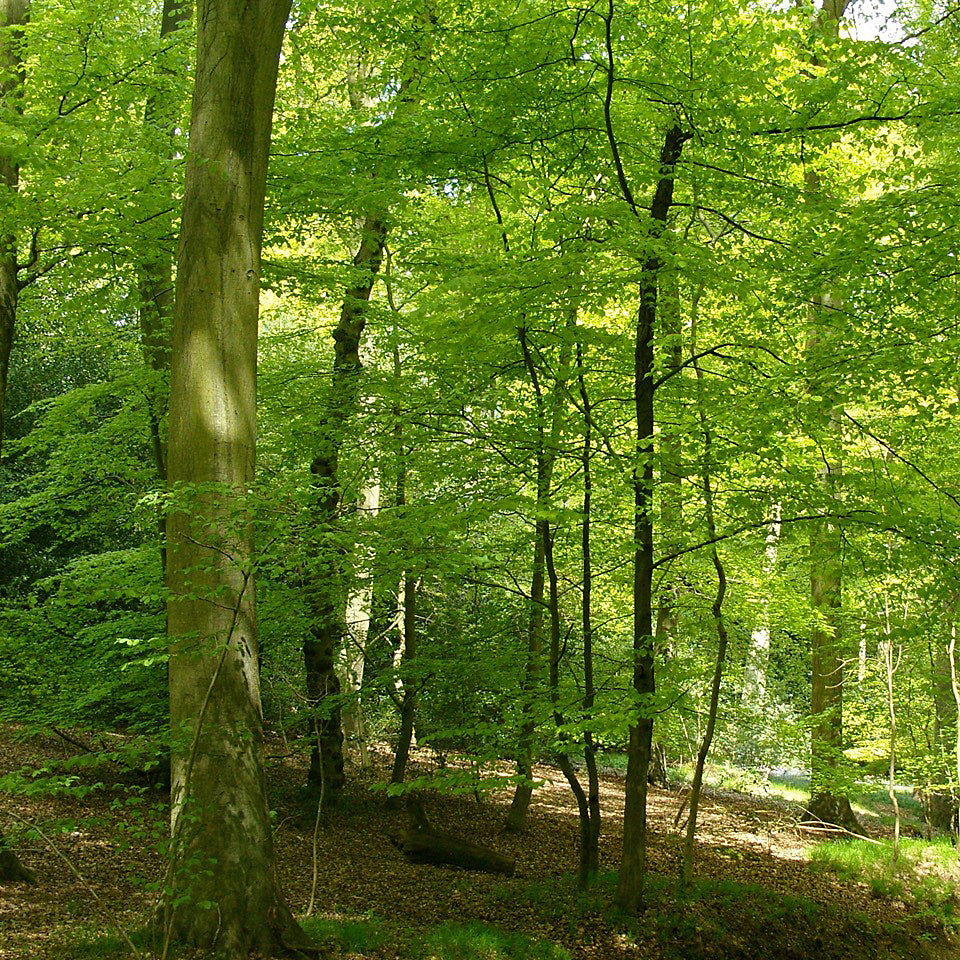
(353, 935)
(477, 941)
(925, 875)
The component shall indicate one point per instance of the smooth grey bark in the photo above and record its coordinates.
(225, 897)
(13, 16)
(357, 624)
(754, 691)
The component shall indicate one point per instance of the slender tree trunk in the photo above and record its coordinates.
(634, 853)
(325, 591)
(406, 652)
(592, 853)
(408, 698)
(155, 270)
(323, 642)
(717, 610)
(955, 687)
(13, 16)
(546, 454)
(754, 691)
(353, 654)
(222, 890)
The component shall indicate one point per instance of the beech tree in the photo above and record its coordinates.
(222, 893)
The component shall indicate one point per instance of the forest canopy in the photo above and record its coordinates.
(510, 381)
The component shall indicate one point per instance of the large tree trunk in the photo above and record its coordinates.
(225, 898)
(13, 15)
(828, 800)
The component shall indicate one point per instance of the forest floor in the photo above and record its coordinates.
(756, 897)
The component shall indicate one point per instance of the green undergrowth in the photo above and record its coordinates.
(480, 941)
(363, 936)
(925, 876)
(85, 943)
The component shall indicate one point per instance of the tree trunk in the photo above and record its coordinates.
(323, 643)
(828, 800)
(546, 455)
(408, 693)
(223, 895)
(717, 610)
(754, 691)
(634, 852)
(590, 858)
(324, 593)
(353, 654)
(13, 16)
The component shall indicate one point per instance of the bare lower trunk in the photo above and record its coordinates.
(758, 654)
(546, 454)
(590, 854)
(8, 319)
(828, 800)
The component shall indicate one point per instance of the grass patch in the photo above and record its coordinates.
(478, 941)
(926, 875)
(87, 944)
(351, 934)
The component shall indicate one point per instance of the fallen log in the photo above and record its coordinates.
(422, 844)
(441, 849)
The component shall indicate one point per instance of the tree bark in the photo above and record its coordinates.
(754, 691)
(13, 16)
(357, 623)
(324, 591)
(634, 851)
(323, 643)
(828, 800)
(223, 894)
(546, 452)
(590, 858)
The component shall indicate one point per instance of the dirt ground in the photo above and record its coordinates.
(95, 863)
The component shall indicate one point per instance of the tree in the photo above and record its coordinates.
(222, 845)
(13, 15)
